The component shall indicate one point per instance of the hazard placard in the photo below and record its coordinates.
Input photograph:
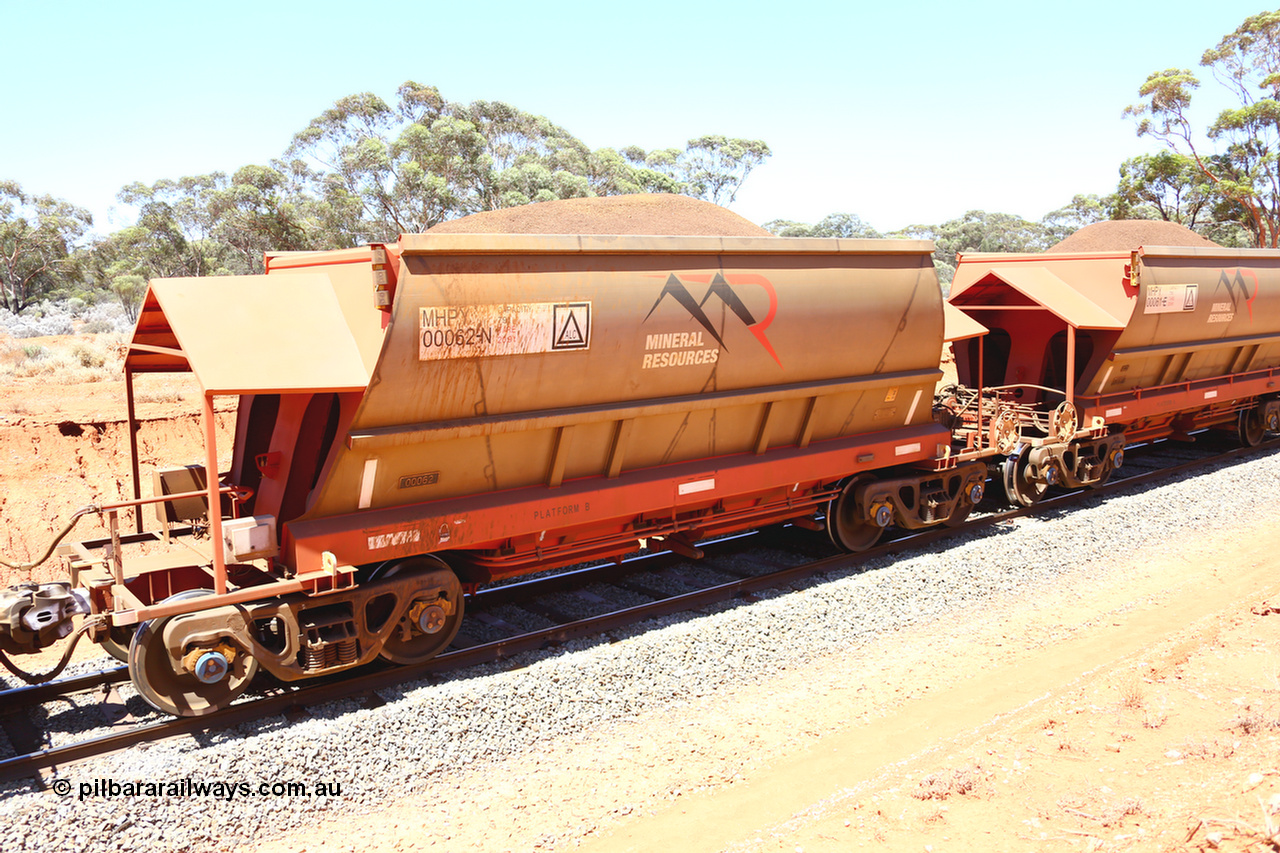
(1170, 298)
(475, 331)
(572, 323)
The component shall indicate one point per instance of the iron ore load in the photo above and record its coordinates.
(419, 418)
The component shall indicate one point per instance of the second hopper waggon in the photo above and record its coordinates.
(1085, 352)
(419, 418)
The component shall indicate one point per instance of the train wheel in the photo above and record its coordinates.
(225, 674)
(966, 505)
(116, 643)
(848, 528)
(1115, 459)
(427, 627)
(961, 514)
(1018, 488)
(1251, 427)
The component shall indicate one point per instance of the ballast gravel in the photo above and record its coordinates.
(492, 714)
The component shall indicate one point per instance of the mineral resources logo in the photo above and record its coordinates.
(684, 348)
(1234, 280)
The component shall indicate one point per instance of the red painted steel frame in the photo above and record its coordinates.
(597, 506)
(215, 501)
(594, 506)
(1166, 400)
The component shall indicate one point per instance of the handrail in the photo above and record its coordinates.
(1185, 384)
(241, 493)
(238, 493)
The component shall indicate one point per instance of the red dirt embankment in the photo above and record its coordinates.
(53, 463)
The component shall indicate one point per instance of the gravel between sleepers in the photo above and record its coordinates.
(497, 713)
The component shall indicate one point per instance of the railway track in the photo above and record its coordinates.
(542, 611)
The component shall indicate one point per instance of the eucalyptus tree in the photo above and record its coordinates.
(1082, 210)
(259, 210)
(623, 172)
(848, 225)
(216, 224)
(979, 231)
(38, 234)
(975, 231)
(398, 169)
(1165, 185)
(1245, 169)
(712, 167)
(175, 233)
(382, 169)
(715, 167)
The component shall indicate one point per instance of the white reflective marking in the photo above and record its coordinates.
(389, 540)
(904, 449)
(696, 486)
(1170, 298)
(1115, 413)
(1209, 395)
(915, 401)
(366, 483)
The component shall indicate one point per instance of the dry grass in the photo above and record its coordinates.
(1132, 694)
(1251, 721)
(1070, 747)
(939, 786)
(161, 395)
(1207, 749)
(86, 358)
(934, 815)
(1264, 835)
(1154, 719)
(1110, 813)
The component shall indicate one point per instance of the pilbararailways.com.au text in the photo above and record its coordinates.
(184, 788)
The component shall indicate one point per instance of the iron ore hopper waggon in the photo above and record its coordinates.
(417, 419)
(1118, 346)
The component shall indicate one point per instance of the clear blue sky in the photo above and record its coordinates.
(899, 112)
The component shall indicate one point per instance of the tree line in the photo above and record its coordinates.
(363, 171)
(366, 170)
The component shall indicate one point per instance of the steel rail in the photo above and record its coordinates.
(28, 695)
(38, 694)
(294, 698)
